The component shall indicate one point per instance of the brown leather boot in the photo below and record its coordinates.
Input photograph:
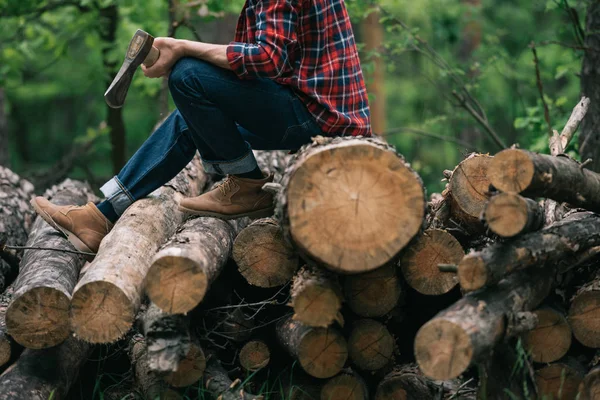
(233, 198)
(84, 226)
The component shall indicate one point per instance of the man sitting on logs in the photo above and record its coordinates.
(292, 73)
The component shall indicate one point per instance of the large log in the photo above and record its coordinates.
(107, 298)
(16, 218)
(263, 256)
(584, 313)
(373, 294)
(316, 297)
(466, 332)
(350, 204)
(370, 345)
(539, 175)
(348, 385)
(419, 263)
(321, 352)
(38, 315)
(44, 374)
(218, 383)
(551, 338)
(509, 215)
(562, 240)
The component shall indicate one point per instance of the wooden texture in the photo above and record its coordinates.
(350, 204)
(509, 215)
(7, 345)
(254, 355)
(538, 175)
(573, 234)
(263, 256)
(407, 382)
(589, 388)
(44, 374)
(38, 315)
(348, 385)
(551, 338)
(189, 370)
(559, 381)
(106, 299)
(584, 313)
(220, 386)
(370, 345)
(373, 294)
(316, 297)
(321, 352)
(419, 263)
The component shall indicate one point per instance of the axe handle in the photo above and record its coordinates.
(151, 57)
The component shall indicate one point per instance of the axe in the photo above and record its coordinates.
(140, 51)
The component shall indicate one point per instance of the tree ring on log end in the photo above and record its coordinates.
(373, 294)
(322, 352)
(190, 369)
(391, 389)
(317, 306)
(443, 349)
(584, 318)
(558, 381)
(470, 185)
(176, 284)
(511, 170)
(472, 273)
(506, 214)
(344, 387)
(419, 263)
(101, 312)
(5, 350)
(354, 207)
(551, 338)
(255, 355)
(39, 318)
(370, 345)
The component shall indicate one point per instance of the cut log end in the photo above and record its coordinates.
(558, 381)
(391, 389)
(370, 345)
(551, 338)
(254, 355)
(322, 352)
(101, 312)
(373, 294)
(590, 387)
(344, 387)
(469, 187)
(39, 318)
(511, 171)
(420, 262)
(316, 297)
(584, 318)
(176, 284)
(443, 349)
(353, 206)
(472, 273)
(190, 369)
(506, 214)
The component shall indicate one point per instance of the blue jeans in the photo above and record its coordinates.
(221, 116)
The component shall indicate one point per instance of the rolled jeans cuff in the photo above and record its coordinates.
(241, 165)
(117, 195)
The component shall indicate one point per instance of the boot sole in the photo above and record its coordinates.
(71, 237)
(265, 212)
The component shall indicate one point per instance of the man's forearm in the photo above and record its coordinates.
(213, 53)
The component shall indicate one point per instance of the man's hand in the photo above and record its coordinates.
(171, 50)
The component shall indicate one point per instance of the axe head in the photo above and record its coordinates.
(140, 51)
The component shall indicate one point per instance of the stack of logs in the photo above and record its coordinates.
(321, 300)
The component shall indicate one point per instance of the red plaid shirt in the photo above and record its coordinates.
(309, 46)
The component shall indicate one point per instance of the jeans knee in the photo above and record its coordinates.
(183, 79)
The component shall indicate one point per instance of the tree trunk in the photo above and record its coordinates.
(346, 386)
(467, 331)
(420, 262)
(350, 204)
(107, 298)
(551, 338)
(558, 243)
(560, 380)
(4, 138)
(321, 352)
(8, 347)
(316, 297)
(533, 175)
(219, 384)
(370, 346)
(373, 294)
(38, 315)
(373, 35)
(589, 136)
(44, 374)
(584, 314)
(509, 215)
(254, 355)
(263, 257)
(16, 218)
(590, 387)
(190, 369)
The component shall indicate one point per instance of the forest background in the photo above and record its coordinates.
(445, 77)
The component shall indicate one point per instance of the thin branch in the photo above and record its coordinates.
(559, 143)
(567, 45)
(540, 86)
(493, 135)
(420, 132)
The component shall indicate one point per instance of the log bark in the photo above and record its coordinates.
(373, 294)
(7, 345)
(348, 385)
(321, 352)
(107, 298)
(533, 175)
(16, 218)
(183, 270)
(509, 215)
(584, 314)
(559, 380)
(590, 387)
(218, 383)
(44, 374)
(263, 256)
(550, 340)
(38, 315)
(419, 263)
(350, 204)
(316, 297)
(370, 345)
(466, 332)
(255, 355)
(554, 244)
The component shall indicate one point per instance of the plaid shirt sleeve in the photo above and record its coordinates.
(275, 38)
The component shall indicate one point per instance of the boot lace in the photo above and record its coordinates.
(225, 186)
